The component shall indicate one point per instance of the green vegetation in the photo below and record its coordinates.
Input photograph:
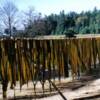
(55, 24)
(83, 23)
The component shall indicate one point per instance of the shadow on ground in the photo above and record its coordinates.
(73, 85)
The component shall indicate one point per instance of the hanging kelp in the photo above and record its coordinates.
(52, 58)
(58, 50)
(37, 60)
(65, 57)
(61, 58)
(98, 48)
(26, 57)
(53, 67)
(4, 70)
(21, 63)
(73, 57)
(55, 56)
(94, 51)
(80, 64)
(86, 53)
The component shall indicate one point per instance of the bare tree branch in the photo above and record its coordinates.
(8, 13)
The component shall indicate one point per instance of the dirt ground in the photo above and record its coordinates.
(87, 87)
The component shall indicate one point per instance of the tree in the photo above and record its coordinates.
(40, 27)
(8, 12)
(51, 24)
(60, 23)
(30, 18)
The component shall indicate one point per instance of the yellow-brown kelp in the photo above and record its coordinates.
(33, 59)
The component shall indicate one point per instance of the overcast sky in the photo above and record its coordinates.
(55, 6)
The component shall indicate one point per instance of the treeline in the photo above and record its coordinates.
(34, 24)
(83, 23)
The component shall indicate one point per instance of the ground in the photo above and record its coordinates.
(86, 87)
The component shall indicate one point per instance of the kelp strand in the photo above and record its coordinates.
(36, 60)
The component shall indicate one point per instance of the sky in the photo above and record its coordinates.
(46, 7)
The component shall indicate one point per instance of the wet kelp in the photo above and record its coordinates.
(30, 59)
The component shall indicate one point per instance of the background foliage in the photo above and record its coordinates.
(83, 23)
